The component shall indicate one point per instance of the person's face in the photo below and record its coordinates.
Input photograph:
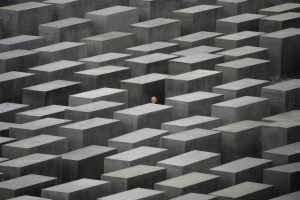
(153, 100)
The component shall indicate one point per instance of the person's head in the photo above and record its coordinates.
(154, 100)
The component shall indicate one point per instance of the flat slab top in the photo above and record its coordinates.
(90, 123)
(240, 126)
(149, 78)
(241, 101)
(281, 8)
(103, 70)
(191, 134)
(202, 35)
(189, 158)
(77, 185)
(98, 93)
(107, 36)
(241, 84)
(52, 85)
(286, 33)
(5, 125)
(197, 58)
(41, 123)
(24, 6)
(292, 84)
(26, 197)
(198, 50)
(241, 18)
(111, 10)
(95, 106)
(155, 23)
(139, 135)
(15, 54)
(241, 165)
(134, 171)
(187, 180)
(25, 181)
(14, 75)
(284, 124)
(243, 62)
(197, 74)
(35, 141)
(72, 21)
(105, 57)
(286, 150)
(47, 110)
(287, 168)
(286, 116)
(284, 17)
(87, 152)
(144, 109)
(197, 9)
(137, 153)
(189, 121)
(241, 190)
(195, 196)
(241, 35)
(242, 51)
(194, 97)
(60, 46)
(152, 46)
(151, 58)
(56, 66)
(4, 140)
(137, 193)
(7, 107)
(19, 39)
(25, 161)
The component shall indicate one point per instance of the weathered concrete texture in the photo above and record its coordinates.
(279, 22)
(109, 42)
(143, 116)
(243, 108)
(293, 115)
(4, 128)
(4, 141)
(65, 8)
(190, 3)
(8, 111)
(27, 42)
(203, 49)
(24, 18)
(234, 7)
(290, 196)
(153, 47)
(160, 29)
(116, 18)
(27, 197)
(281, 8)
(137, 194)
(282, 44)
(195, 196)
(194, 62)
(67, 30)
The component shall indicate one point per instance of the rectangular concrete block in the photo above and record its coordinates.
(140, 176)
(242, 108)
(104, 109)
(203, 49)
(192, 182)
(241, 139)
(281, 8)
(195, 196)
(115, 18)
(153, 47)
(196, 103)
(193, 161)
(194, 139)
(8, 111)
(54, 92)
(285, 116)
(152, 63)
(32, 164)
(60, 70)
(71, 29)
(47, 144)
(198, 80)
(243, 87)
(189, 123)
(107, 76)
(138, 156)
(89, 188)
(137, 194)
(30, 129)
(4, 128)
(104, 94)
(142, 88)
(290, 196)
(109, 42)
(143, 116)
(86, 162)
(63, 9)
(142, 137)
(26, 42)
(234, 7)
(150, 31)
(25, 185)
(4, 141)
(94, 131)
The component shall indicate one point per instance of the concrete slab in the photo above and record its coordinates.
(198, 50)
(8, 111)
(136, 194)
(26, 42)
(153, 47)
